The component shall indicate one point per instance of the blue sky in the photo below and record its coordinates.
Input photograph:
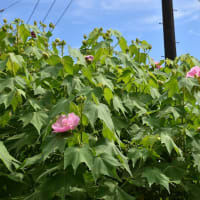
(133, 18)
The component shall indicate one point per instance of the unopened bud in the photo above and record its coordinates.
(45, 55)
(51, 25)
(5, 21)
(63, 42)
(17, 20)
(4, 28)
(85, 36)
(35, 23)
(160, 82)
(84, 42)
(57, 40)
(137, 40)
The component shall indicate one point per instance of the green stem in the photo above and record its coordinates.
(81, 122)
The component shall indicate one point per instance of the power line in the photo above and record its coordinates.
(11, 5)
(35, 7)
(63, 13)
(49, 10)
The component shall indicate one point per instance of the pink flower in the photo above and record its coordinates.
(65, 123)
(194, 72)
(157, 64)
(89, 58)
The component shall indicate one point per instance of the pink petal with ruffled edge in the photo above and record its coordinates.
(65, 123)
(194, 71)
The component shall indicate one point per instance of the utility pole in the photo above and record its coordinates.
(168, 29)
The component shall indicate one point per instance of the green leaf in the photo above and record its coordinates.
(32, 160)
(14, 63)
(53, 60)
(108, 95)
(105, 164)
(123, 44)
(188, 83)
(107, 133)
(37, 119)
(109, 147)
(117, 103)
(111, 191)
(35, 104)
(61, 107)
(68, 64)
(24, 32)
(33, 51)
(51, 71)
(7, 159)
(104, 114)
(170, 110)
(196, 157)
(92, 111)
(76, 155)
(170, 144)
(77, 54)
(7, 83)
(51, 144)
(5, 118)
(172, 86)
(154, 93)
(101, 79)
(154, 175)
(138, 154)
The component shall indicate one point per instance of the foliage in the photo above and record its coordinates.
(138, 136)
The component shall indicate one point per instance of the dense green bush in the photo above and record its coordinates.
(138, 136)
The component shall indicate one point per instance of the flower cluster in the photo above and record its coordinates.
(194, 72)
(65, 123)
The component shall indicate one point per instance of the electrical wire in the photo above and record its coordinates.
(63, 13)
(35, 7)
(49, 10)
(11, 5)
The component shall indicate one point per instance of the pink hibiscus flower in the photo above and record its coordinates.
(194, 72)
(157, 64)
(65, 123)
(89, 58)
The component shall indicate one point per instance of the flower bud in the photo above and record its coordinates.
(5, 21)
(17, 20)
(89, 58)
(45, 55)
(4, 28)
(57, 40)
(137, 40)
(84, 42)
(11, 27)
(63, 42)
(35, 23)
(33, 35)
(81, 99)
(85, 36)
(160, 82)
(51, 25)
(101, 29)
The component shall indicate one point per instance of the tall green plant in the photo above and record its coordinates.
(138, 135)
